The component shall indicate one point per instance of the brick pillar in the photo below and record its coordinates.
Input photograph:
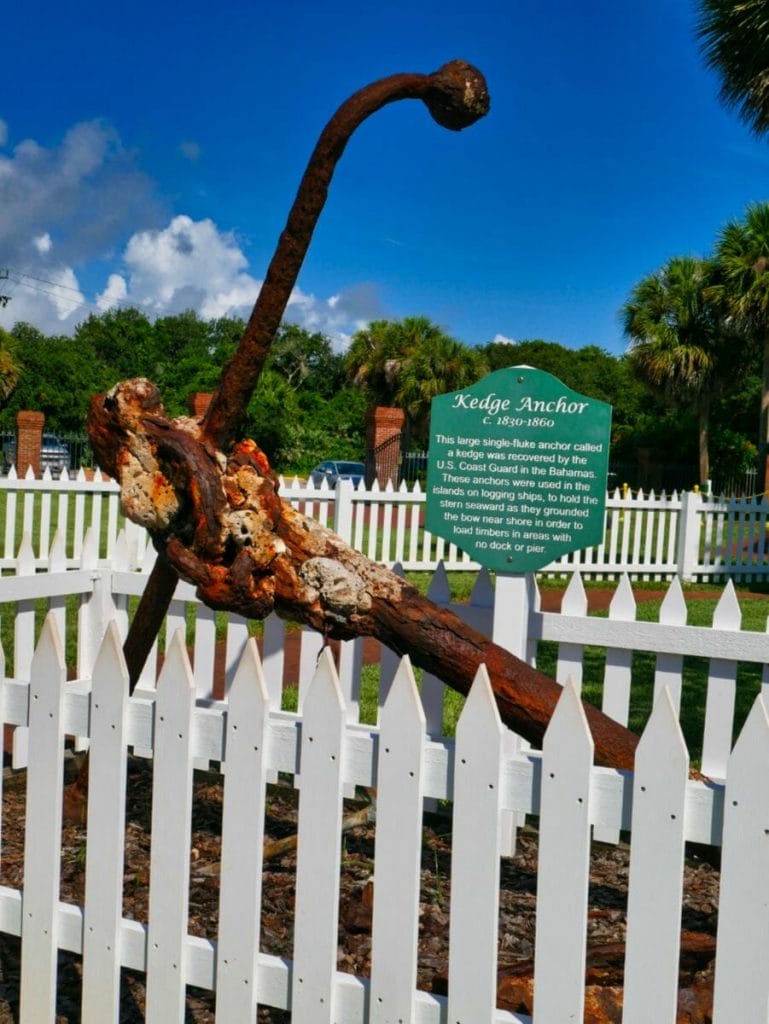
(198, 403)
(29, 440)
(384, 427)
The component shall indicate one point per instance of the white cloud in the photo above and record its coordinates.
(61, 208)
(3, 132)
(501, 339)
(188, 265)
(194, 265)
(190, 150)
(114, 294)
(69, 209)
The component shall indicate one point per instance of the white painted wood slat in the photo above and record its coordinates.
(42, 840)
(397, 860)
(102, 916)
(563, 866)
(170, 850)
(656, 870)
(741, 981)
(318, 852)
(242, 841)
(474, 913)
(721, 693)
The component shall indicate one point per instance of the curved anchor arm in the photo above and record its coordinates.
(456, 96)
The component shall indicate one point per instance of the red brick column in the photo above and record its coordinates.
(198, 403)
(29, 440)
(384, 427)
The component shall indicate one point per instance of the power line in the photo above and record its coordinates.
(24, 279)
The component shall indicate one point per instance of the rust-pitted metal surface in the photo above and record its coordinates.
(248, 551)
(456, 96)
(210, 499)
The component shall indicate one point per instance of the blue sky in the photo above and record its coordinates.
(149, 154)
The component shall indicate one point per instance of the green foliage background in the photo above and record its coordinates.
(310, 402)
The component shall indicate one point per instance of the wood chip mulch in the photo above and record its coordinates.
(606, 921)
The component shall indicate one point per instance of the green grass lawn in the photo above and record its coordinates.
(88, 503)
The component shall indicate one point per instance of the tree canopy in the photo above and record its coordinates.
(734, 38)
(672, 319)
(310, 402)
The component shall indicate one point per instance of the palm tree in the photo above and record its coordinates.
(742, 256)
(437, 365)
(376, 354)
(406, 363)
(734, 37)
(673, 325)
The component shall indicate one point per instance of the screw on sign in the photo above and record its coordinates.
(517, 467)
(210, 498)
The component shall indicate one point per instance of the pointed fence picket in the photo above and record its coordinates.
(660, 807)
(42, 839)
(171, 822)
(649, 536)
(741, 982)
(656, 869)
(319, 826)
(397, 858)
(565, 813)
(475, 852)
(244, 805)
(106, 815)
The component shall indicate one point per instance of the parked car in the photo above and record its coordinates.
(331, 472)
(54, 454)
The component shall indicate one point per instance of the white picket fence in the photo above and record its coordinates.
(327, 751)
(648, 536)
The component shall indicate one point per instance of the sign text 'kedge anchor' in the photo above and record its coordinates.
(517, 467)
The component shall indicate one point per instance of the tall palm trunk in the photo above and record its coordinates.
(703, 415)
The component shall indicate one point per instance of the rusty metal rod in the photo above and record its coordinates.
(456, 96)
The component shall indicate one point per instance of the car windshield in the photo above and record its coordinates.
(349, 467)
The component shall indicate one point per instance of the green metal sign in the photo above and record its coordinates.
(517, 467)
